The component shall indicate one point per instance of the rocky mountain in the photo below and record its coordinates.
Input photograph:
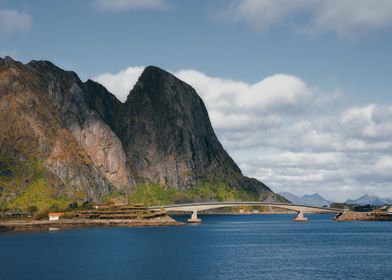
(307, 199)
(369, 199)
(75, 140)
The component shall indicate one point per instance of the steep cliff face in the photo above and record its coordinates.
(34, 128)
(78, 105)
(91, 144)
(167, 135)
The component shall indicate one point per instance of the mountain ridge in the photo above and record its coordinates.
(307, 199)
(369, 199)
(89, 145)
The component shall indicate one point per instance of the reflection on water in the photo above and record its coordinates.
(223, 247)
(54, 228)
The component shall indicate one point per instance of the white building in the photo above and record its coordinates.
(55, 216)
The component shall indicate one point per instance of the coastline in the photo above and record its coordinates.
(19, 225)
(33, 225)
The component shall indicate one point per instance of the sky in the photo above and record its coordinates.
(298, 91)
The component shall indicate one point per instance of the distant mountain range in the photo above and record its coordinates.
(369, 199)
(317, 200)
(308, 199)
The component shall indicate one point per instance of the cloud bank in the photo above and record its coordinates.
(346, 18)
(291, 135)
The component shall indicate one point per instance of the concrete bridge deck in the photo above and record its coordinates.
(197, 207)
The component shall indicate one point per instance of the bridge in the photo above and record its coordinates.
(194, 208)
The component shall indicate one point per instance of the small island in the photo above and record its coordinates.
(364, 216)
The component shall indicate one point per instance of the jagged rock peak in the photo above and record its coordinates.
(152, 72)
(7, 62)
(7, 59)
(155, 80)
(45, 67)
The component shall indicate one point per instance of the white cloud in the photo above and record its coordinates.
(262, 14)
(120, 83)
(384, 164)
(291, 135)
(346, 18)
(12, 21)
(120, 5)
(273, 93)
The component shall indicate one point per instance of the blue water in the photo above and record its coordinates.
(223, 247)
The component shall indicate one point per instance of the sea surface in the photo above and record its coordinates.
(223, 247)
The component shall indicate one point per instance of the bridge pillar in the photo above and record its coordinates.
(300, 217)
(194, 219)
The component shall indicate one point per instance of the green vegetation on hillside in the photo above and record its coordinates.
(25, 186)
(154, 194)
(40, 196)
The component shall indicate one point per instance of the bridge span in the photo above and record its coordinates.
(194, 208)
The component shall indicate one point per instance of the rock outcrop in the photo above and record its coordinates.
(363, 216)
(91, 144)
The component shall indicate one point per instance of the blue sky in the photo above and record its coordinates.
(194, 34)
(319, 69)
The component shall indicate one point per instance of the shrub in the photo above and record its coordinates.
(32, 209)
(54, 208)
(86, 205)
(42, 215)
(182, 197)
(68, 215)
(73, 205)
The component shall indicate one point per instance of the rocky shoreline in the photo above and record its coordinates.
(363, 216)
(32, 225)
